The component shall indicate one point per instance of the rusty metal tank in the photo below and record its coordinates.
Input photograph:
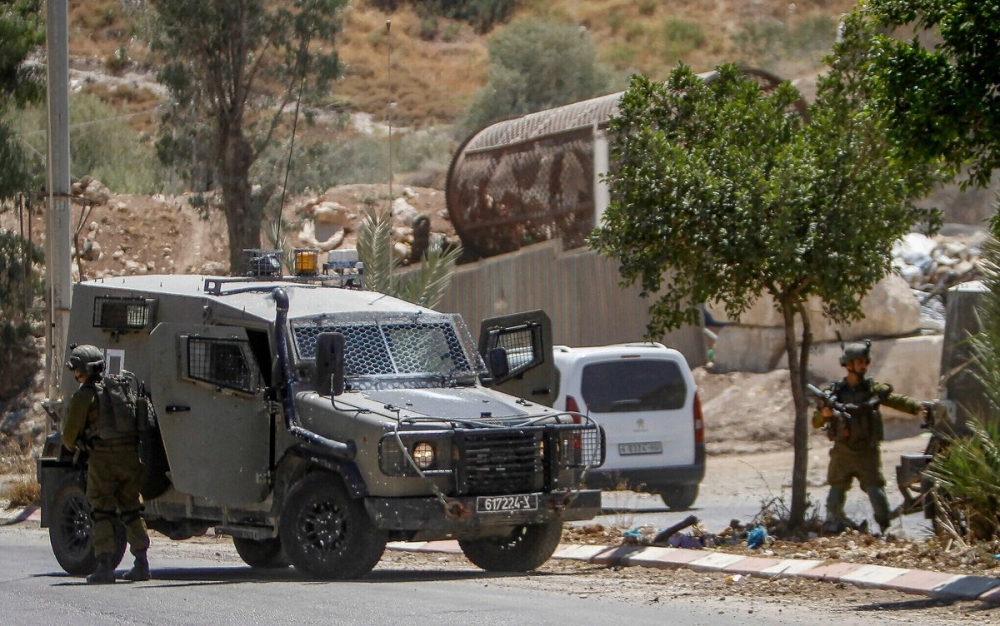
(537, 177)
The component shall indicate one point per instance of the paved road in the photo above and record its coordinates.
(193, 588)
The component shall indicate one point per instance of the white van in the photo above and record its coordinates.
(644, 396)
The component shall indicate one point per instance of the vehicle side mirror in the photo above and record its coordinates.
(330, 364)
(498, 363)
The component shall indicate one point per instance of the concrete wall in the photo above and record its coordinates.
(578, 289)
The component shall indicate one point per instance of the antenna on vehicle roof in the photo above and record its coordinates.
(388, 64)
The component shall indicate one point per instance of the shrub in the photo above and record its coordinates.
(20, 286)
(536, 65)
(358, 159)
(104, 146)
(681, 37)
(966, 478)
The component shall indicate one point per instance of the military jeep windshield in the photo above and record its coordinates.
(392, 351)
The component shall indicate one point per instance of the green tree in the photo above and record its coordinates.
(234, 68)
(536, 65)
(719, 193)
(940, 85)
(21, 33)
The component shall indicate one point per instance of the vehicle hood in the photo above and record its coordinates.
(452, 403)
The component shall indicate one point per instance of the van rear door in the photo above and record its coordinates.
(645, 404)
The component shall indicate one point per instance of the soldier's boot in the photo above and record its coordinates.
(105, 572)
(835, 517)
(140, 569)
(880, 507)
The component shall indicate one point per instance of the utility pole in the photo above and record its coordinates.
(57, 239)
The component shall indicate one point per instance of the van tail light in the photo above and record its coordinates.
(574, 408)
(699, 422)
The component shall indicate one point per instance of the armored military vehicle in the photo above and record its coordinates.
(314, 422)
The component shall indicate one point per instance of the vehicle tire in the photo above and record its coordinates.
(261, 553)
(70, 531)
(326, 533)
(679, 497)
(524, 549)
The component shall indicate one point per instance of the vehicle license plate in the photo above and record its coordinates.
(500, 504)
(645, 447)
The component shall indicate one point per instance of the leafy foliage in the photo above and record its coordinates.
(103, 146)
(536, 65)
(716, 187)
(966, 478)
(21, 32)
(358, 159)
(20, 285)
(234, 68)
(939, 86)
(425, 286)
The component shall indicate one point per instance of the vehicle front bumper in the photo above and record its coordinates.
(460, 517)
(649, 479)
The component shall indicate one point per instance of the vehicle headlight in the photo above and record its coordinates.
(423, 455)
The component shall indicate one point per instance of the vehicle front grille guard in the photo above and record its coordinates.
(590, 455)
(288, 383)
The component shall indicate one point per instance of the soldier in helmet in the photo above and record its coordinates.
(114, 470)
(857, 436)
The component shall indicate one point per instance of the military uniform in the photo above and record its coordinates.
(114, 472)
(855, 452)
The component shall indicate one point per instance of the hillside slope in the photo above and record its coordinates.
(431, 66)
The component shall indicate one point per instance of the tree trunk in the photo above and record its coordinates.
(798, 369)
(243, 220)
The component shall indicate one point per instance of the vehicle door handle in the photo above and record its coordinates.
(541, 391)
(177, 408)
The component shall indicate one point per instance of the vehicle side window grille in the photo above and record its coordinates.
(523, 344)
(122, 313)
(226, 363)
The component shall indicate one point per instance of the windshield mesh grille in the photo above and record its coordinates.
(377, 348)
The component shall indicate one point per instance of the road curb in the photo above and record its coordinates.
(934, 584)
(18, 515)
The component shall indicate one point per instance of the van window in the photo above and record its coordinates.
(633, 385)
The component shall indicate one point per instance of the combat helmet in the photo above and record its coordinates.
(86, 357)
(857, 350)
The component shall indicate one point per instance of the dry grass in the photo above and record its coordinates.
(433, 80)
(23, 491)
(18, 465)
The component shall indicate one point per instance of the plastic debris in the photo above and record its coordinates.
(756, 537)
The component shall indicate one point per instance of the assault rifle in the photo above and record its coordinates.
(839, 425)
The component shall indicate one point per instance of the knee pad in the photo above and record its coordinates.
(130, 516)
(100, 515)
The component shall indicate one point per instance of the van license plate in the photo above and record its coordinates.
(500, 504)
(646, 447)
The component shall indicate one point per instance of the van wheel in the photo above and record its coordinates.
(524, 549)
(679, 497)
(70, 531)
(261, 553)
(326, 533)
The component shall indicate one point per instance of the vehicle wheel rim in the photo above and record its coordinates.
(323, 527)
(76, 526)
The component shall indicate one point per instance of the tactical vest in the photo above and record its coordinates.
(863, 427)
